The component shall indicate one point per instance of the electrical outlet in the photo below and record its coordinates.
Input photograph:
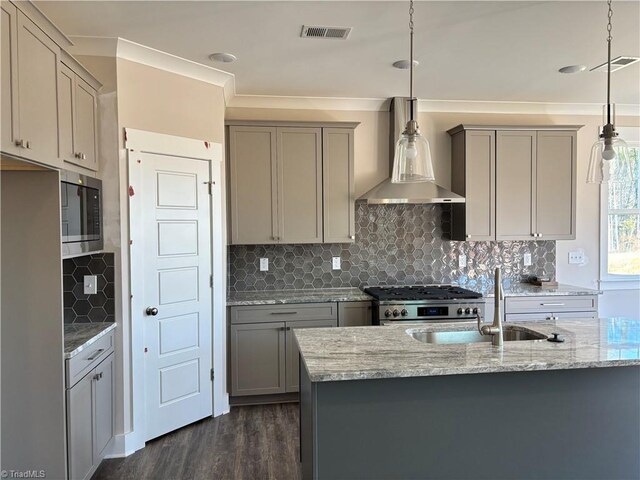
(264, 264)
(576, 257)
(527, 259)
(335, 263)
(462, 260)
(90, 284)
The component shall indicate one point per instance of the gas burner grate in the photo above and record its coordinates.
(421, 292)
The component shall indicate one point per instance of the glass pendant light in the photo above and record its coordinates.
(609, 146)
(412, 160)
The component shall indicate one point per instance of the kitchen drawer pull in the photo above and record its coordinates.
(283, 313)
(95, 354)
(552, 304)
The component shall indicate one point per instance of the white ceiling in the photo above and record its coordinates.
(468, 50)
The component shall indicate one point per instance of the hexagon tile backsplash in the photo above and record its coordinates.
(80, 307)
(395, 245)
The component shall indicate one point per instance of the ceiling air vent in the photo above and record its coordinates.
(616, 64)
(314, 31)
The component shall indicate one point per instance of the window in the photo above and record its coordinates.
(620, 200)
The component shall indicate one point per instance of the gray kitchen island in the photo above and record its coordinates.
(377, 403)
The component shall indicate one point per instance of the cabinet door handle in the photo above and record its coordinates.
(283, 313)
(352, 237)
(95, 354)
(287, 328)
(552, 304)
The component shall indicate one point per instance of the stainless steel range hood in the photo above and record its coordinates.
(387, 192)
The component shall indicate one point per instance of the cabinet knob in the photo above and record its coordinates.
(81, 156)
(540, 235)
(352, 237)
(22, 143)
(468, 236)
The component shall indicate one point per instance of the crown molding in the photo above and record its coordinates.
(524, 108)
(135, 52)
(310, 103)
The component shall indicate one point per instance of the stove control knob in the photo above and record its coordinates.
(467, 311)
(476, 310)
(387, 313)
(460, 311)
(396, 313)
(404, 312)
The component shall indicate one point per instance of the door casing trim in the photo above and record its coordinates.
(150, 142)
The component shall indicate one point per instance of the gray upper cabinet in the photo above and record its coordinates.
(299, 167)
(338, 185)
(290, 183)
(49, 111)
(253, 185)
(519, 182)
(516, 154)
(35, 134)
(555, 200)
(78, 104)
(9, 79)
(473, 165)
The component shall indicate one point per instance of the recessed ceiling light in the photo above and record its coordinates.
(573, 69)
(223, 57)
(404, 64)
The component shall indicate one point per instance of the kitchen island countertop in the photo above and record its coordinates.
(78, 336)
(360, 353)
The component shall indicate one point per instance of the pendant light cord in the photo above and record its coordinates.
(609, 38)
(411, 10)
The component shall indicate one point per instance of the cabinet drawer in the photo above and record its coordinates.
(286, 313)
(78, 366)
(552, 303)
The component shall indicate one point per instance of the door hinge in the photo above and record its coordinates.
(212, 376)
(210, 184)
(210, 281)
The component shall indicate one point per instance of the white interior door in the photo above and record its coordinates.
(177, 292)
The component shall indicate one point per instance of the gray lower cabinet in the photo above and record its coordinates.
(258, 358)
(522, 309)
(263, 355)
(354, 314)
(90, 419)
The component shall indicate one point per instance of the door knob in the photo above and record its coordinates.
(152, 311)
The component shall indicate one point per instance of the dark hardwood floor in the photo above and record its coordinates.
(250, 443)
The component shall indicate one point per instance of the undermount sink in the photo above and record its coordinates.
(509, 334)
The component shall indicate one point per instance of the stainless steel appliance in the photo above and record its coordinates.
(81, 203)
(424, 304)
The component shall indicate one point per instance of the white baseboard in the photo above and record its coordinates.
(124, 445)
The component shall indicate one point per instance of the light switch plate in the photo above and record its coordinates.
(264, 264)
(335, 263)
(462, 260)
(527, 259)
(90, 284)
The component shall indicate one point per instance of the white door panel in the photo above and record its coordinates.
(177, 265)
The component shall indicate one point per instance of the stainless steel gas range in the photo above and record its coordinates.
(424, 304)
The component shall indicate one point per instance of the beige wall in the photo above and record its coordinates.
(372, 163)
(163, 102)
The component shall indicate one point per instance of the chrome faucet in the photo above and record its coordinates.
(495, 329)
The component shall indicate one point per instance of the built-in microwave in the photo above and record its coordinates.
(81, 202)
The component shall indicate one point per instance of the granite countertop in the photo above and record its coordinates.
(528, 290)
(360, 353)
(78, 336)
(273, 297)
